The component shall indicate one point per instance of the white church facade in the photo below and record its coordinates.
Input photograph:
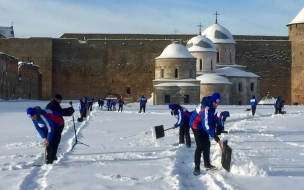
(185, 74)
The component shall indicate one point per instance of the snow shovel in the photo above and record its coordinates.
(159, 131)
(44, 157)
(226, 155)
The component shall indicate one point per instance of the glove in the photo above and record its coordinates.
(217, 139)
(71, 111)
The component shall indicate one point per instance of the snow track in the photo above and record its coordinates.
(119, 158)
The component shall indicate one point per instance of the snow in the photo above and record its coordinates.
(200, 43)
(175, 50)
(212, 78)
(267, 100)
(234, 72)
(299, 18)
(268, 151)
(218, 34)
(176, 84)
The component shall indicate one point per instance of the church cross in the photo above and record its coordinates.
(200, 29)
(175, 31)
(216, 17)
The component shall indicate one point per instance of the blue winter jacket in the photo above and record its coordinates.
(203, 118)
(253, 101)
(121, 102)
(220, 119)
(47, 122)
(143, 100)
(182, 115)
(278, 102)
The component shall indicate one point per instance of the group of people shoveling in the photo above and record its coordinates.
(204, 122)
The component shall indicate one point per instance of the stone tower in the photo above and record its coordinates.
(296, 36)
(175, 72)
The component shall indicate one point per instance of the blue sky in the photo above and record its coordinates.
(52, 18)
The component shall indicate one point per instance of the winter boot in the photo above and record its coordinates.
(210, 167)
(197, 170)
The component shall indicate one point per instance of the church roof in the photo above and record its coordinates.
(212, 78)
(218, 34)
(234, 72)
(200, 43)
(7, 32)
(175, 50)
(299, 18)
(176, 84)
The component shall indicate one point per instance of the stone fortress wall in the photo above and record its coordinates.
(97, 65)
(21, 80)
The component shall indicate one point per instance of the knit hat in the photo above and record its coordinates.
(30, 112)
(171, 106)
(58, 97)
(216, 97)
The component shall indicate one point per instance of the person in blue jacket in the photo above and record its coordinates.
(202, 122)
(109, 104)
(142, 103)
(49, 125)
(253, 104)
(220, 119)
(183, 116)
(278, 104)
(82, 109)
(120, 102)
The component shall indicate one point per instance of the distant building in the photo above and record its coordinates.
(7, 32)
(213, 65)
(96, 65)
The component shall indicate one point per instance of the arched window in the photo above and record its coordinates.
(240, 87)
(201, 65)
(176, 73)
(211, 65)
(252, 87)
(230, 57)
(162, 73)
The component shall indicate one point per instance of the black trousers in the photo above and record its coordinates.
(53, 145)
(142, 107)
(202, 145)
(120, 107)
(253, 108)
(184, 134)
(278, 110)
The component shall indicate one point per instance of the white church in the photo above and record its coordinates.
(185, 74)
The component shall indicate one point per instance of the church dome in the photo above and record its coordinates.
(175, 50)
(212, 78)
(299, 18)
(200, 43)
(218, 34)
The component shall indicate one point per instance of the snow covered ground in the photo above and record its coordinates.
(268, 151)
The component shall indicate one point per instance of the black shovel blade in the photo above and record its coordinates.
(159, 131)
(226, 156)
(37, 165)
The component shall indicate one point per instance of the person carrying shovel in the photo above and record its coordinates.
(202, 122)
(182, 115)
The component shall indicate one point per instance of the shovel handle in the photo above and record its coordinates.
(44, 156)
(169, 128)
(219, 143)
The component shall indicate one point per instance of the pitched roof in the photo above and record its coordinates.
(298, 19)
